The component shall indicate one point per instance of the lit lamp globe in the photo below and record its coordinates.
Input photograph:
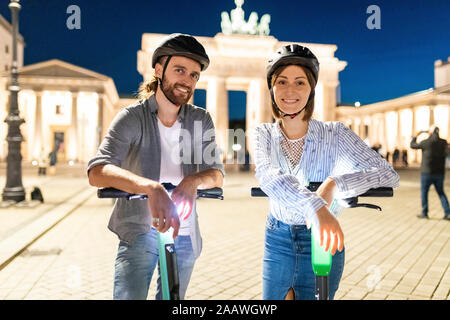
(236, 147)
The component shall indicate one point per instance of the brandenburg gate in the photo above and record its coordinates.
(238, 58)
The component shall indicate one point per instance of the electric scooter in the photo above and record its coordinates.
(168, 265)
(321, 259)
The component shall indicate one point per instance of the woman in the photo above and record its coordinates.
(294, 151)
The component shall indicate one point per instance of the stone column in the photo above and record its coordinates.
(100, 119)
(258, 109)
(362, 124)
(413, 129)
(38, 136)
(383, 135)
(329, 99)
(431, 108)
(376, 123)
(372, 131)
(448, 124)
(357, 125)
(217, 106)
(73, 143)
(363, 128)
(400, 143)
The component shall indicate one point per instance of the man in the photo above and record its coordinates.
(152, 141)
(434, 151)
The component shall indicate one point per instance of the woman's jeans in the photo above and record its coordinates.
(135, 265)
(287, 263)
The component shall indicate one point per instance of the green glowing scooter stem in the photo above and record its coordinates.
(168, 266)
(321, 260)
(321, 263)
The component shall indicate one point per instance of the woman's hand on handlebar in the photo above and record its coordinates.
(163, 208)
(329, 225)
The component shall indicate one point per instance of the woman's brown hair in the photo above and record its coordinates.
(309, 105)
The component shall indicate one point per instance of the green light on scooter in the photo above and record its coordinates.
(321, 259)
(164, 240)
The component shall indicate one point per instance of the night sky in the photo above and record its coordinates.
(396, 60)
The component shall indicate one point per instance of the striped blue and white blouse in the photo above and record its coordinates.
(331, 150)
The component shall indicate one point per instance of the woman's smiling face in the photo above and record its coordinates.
(291, 89)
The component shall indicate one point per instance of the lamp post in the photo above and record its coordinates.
(14, 189)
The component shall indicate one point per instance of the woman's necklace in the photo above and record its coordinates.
(293, 149)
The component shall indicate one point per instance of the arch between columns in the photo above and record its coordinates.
(257, 105)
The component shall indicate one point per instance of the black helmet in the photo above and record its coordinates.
(292, 54)
(178, 44)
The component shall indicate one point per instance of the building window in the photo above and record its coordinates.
(6, 67)
(58, 109)
(6, 48)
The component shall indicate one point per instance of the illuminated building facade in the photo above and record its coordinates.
(69, 108)
(391, 123)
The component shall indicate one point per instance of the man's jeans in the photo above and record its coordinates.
(426, 180)
(135, 265)
(287, 263)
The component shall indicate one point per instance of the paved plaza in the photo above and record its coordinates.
(62, 249)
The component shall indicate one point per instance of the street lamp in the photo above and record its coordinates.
(14, 189)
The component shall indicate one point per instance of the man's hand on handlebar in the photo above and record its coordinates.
(163, 210)
(184, 196)
(162, 207)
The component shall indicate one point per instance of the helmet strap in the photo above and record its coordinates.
(283, 114)
(165, 67)
(291, 115)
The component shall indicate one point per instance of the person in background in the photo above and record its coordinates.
(395, 157)
(405, 158)
(43, 162)
(52, 156)
(434, 152)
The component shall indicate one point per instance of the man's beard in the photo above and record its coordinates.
(169, 89)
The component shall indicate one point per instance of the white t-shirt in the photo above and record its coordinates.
(171, 170)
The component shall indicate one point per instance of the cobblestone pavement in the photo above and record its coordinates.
(392, 255)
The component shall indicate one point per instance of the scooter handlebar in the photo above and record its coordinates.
(257, 192)
(213, 193)
(351, 202)
(376, 192)
(379, 192)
